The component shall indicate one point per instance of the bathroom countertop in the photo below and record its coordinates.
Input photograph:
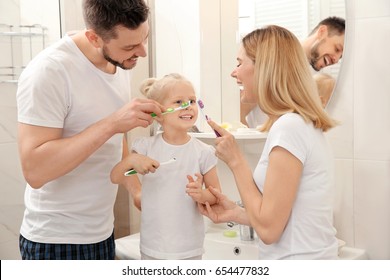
(349, 253)
(218, 246)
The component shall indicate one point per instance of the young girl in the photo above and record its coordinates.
(171, 226)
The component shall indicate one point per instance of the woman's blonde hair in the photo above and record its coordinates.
(157, 89)
(282, 77)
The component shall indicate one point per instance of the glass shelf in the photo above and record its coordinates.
(21, 34)
(21, 50)
(9, 81)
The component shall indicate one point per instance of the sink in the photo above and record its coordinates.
(217, 246)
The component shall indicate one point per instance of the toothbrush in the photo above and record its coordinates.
(183, 105)
(132, 171)
(201, 105)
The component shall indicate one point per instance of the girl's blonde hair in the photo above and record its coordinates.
(282, 77)
(157, 89)
(325, 85)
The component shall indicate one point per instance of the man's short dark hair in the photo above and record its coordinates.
(103, 16)
(336, 26)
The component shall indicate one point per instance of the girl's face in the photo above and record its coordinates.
(244, 74)
(182, 119)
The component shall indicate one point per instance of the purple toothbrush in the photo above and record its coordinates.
(201, 105)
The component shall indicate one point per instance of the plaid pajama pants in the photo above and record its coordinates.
(104, 250)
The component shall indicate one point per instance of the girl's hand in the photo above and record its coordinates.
(142, 164)
(194, 188)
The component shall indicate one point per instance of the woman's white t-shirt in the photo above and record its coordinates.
(309, 233)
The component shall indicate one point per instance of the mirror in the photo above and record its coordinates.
(300, 17)
(200, 39)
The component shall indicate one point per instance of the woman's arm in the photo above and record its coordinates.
(268, 212)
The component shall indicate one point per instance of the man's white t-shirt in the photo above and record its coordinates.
(61, 88)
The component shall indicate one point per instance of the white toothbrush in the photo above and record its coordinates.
(132, 171)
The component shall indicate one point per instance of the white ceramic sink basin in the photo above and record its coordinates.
(217, 246)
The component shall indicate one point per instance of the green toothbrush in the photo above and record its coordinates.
(183, 105)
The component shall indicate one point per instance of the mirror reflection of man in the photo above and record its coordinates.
(323, 47)
(325, 44)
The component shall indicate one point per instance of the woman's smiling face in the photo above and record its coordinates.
(244, 75)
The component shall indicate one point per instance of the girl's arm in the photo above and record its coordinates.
(132, 183)
(140, 163)
(200, 195)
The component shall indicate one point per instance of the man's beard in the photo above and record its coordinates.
(114, 62)
(314, 56)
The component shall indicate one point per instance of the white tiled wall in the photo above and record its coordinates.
(12, 183)
(362, 104)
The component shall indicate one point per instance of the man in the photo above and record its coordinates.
(323, 47)
(72, 111)
(325, 44)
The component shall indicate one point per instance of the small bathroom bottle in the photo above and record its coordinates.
(246, 232)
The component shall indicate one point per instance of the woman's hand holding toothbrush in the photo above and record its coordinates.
(226, 147)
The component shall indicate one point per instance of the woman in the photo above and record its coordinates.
(288, 199)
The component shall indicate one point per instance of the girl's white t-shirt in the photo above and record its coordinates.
(171, 226)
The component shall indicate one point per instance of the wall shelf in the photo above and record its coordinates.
(238, 136)
(21, 40)
(20, 34)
